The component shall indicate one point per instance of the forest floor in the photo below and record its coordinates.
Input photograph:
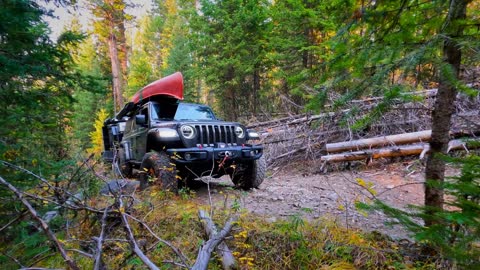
(298, 190)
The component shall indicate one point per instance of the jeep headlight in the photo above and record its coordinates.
(188, 132)
(239, 132)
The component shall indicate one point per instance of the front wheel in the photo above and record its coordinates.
(249, 174)
(159, 170)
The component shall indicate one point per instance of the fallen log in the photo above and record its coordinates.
(397, 139)
(396, 151)
(406, 138)
(228, 261)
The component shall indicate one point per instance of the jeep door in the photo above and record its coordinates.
(137, 133)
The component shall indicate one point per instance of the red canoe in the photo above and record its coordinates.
(171, 86)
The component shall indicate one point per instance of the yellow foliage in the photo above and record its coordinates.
(367, 185)
(96, 136)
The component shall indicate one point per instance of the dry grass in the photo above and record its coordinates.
(255, 242)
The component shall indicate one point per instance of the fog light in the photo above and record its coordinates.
(188, 156)
(252, 153)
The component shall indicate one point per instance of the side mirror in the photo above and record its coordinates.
(140, 120)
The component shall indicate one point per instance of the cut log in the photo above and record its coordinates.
(397, 139)
(377, 153)
(421, 136)
(396, 151)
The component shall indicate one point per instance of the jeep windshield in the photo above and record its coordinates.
(181, 111)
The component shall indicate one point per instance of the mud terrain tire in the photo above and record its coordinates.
(159, 168)
(250, 174)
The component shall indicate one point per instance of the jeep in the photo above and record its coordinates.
(166, 140)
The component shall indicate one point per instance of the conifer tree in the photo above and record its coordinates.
(230, 39)
(390, 47)
(110, 28)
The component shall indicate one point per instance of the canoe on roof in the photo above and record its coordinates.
(170, 86)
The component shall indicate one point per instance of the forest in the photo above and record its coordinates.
(330, 85)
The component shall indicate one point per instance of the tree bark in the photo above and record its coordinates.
(228, 261)
(406, 138)
(208, 247)
(122, 42)
(396, 151)
(443, 109)
(117, 79)
(256, 90)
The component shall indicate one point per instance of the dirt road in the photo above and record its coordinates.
(298, 191)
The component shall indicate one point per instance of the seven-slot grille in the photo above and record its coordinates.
(209, 134)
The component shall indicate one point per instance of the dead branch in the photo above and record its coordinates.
(50, 186)
(297, 150)
(42, 223)
(83, 253)
(22, 214)
(228, 261)
(133, 243)
(176, 250)
(13, 259)
(205, 252)
(98, 254)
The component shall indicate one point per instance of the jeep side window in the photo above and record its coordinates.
(144, 111)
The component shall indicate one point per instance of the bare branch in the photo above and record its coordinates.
(83, 253)
(22, 214)
(13, 259)
(43, 180)
(228, 261)
(205, 252)
(42, 223)
(99, 240)
(132, 241)
(176, 250)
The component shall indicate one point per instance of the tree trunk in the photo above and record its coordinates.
(116, 72)
(256, 90)
(443, 109)
(122, 42)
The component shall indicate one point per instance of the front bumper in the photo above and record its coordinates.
(217, 152)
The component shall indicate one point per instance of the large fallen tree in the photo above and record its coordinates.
(395, 151)
(390, 140)
(307, 136)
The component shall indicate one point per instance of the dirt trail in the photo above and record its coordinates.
(296, 191)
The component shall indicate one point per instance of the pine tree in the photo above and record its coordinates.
(391, 47)
(36, 80)
(230, 39)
